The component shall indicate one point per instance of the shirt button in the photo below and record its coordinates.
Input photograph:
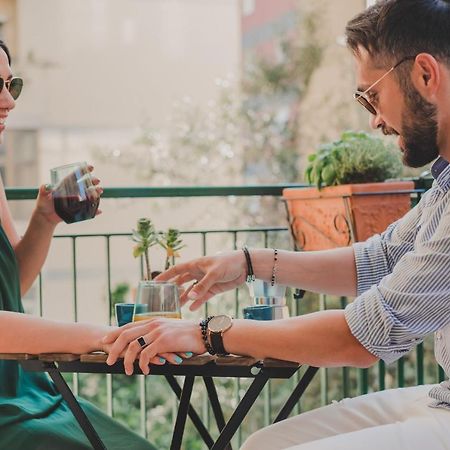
(438, 335)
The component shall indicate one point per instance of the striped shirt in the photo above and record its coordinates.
(403, 282)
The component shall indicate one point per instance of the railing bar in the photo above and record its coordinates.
(206, 412)
(268, 387)
(401, 372)
(345, 370)
(109, 379)
(75, 380)
(217, 230)
(143, 407)
(420, 369)
(323, 371)
(236, 314)
(41, 301)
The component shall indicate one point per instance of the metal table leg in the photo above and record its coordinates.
(215, 405)
(296, 394)
(75, 407)
(199, 425)
(182, 413)
(241, 411)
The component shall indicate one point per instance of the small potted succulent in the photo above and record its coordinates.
(352, 199)
(156, 298)
(145, 236)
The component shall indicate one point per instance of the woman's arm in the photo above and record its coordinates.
(22, 333)
(31, 250)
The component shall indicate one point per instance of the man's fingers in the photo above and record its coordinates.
(170, 273)
(203, 286)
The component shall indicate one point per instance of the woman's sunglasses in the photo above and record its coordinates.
(14, 86)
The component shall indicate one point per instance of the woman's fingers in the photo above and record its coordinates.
(148, 356)
(122, 340)
(133, 350)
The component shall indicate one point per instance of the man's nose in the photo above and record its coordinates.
(375, 121)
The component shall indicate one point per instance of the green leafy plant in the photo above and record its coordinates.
(172, 243)
(357, 157)
(145, 237)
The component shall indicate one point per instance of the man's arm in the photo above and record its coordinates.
(321, 339)
(330, 272)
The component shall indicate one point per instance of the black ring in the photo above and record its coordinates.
(142, 342)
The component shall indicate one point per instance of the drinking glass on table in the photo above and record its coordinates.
(75, 197)
(157, 299)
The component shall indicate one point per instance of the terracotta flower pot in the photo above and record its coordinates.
(339, 215)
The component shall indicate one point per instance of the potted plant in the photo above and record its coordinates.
(155, 299)
(357, 201)
(146, 237)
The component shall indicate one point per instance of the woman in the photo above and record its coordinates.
(32, 413)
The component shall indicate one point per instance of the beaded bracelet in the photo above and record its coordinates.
(204, 327)
(274, 267)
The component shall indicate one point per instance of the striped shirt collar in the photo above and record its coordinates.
(441, 173)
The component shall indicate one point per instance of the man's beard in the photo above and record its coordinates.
(419, 130)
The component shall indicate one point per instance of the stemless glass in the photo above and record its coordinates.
(157, 299)
(75, 197)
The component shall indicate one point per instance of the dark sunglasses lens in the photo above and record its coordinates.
(364, 102)
(15, 87)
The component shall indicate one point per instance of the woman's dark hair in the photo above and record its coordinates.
(394, 29)
(5, 49)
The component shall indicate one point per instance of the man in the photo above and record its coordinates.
(401, 279)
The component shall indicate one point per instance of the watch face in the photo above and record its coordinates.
(219, 323)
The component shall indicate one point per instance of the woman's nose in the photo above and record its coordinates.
(6, 100)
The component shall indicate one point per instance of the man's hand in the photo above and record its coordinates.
(211, 275)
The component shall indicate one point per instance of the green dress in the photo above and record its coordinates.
(32, 413)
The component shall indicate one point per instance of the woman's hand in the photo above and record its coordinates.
(44, 203)
(169, 339)
(211, 275)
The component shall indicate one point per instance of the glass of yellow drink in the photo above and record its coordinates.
(157, 299)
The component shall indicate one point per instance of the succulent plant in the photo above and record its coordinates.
(145, 237)
(172, 243)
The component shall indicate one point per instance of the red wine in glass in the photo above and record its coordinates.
(71, 209)
(75, 198)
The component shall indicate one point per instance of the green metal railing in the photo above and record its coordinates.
(332, 384)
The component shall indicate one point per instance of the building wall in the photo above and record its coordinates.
(328, 107)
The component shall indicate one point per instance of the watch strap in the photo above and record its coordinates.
(217, 343)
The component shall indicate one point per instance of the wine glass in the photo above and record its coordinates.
(157, 299)
(75, 197)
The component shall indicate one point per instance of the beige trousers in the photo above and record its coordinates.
(397, 419)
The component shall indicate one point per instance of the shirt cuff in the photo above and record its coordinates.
(371, 263)
(371, 324)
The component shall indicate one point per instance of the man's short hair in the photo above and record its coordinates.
(394, 29)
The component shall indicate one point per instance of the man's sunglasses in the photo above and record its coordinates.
(14, 86)
(361, 97)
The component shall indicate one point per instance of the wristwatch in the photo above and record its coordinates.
(217, 326)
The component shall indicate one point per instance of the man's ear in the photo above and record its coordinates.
(425, 75)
